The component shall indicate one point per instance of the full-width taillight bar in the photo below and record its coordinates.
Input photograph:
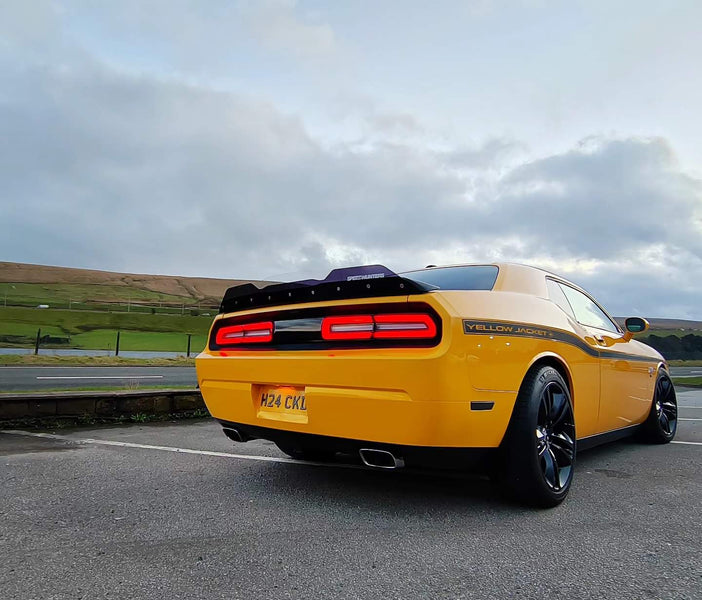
(248, 333)
(384, 326)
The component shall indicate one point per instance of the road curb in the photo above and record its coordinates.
(101, 405)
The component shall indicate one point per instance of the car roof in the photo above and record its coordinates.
(517, 277)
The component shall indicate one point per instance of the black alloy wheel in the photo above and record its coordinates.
(555, 436)
(662, 422)
(538, 452)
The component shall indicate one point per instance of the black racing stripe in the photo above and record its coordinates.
(544, 333)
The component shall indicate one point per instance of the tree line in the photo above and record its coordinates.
(672, 347)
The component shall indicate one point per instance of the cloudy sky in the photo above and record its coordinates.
(278, 139)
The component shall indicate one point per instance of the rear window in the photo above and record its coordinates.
(475, 277)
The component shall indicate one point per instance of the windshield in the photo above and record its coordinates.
(473, 277)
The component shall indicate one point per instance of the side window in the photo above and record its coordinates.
(556, 294)
(586, 311)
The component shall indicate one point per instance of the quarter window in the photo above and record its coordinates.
(586, 311)
(556, 294)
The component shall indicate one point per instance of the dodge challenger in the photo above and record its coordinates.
(501, 367)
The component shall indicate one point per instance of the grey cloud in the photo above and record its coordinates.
(491, 153)
(387, 122)
(605, 199)
(279, 25)
(107, 170)
(668, 290)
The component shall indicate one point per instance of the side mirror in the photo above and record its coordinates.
(634, 325)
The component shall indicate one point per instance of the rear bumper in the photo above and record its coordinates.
(469, 459)
(419, 399)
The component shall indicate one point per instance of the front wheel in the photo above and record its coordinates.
(538, 452)
(662, 421)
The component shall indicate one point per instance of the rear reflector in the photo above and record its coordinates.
(249, 333)
(377, 327)
(353, 327)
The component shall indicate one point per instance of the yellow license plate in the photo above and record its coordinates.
(281, 403)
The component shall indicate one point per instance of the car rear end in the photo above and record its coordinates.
(379, 368)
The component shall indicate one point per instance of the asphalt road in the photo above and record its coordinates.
(178, 511)
(14, 379)
(686, 371)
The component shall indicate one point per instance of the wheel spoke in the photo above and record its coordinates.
(563, 444)
(551, 469)
(560, 408)
(545, 407)
(540, 441)
(665, 423)
(670, 409)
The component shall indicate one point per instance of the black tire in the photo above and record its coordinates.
(301, 453)
(662, 421)
(538, 452)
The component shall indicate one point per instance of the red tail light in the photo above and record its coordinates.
(397, 327)
(352, 327)
(379, 327)
(249, 333)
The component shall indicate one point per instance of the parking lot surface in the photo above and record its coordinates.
(178, 511)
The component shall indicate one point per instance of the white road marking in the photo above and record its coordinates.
(63, 438)
(689, 419)
(272, 459)
(104, 377)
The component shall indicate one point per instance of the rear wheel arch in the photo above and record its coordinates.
(556, 362)
(544, 360)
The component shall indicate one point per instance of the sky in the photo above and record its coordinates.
(278, 139)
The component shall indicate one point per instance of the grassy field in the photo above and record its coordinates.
(688, 381)
(71, 322)
(98, 330)
(73, 296)
(60, 294)
(30, 360)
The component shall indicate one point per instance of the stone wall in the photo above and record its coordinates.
(98, 404)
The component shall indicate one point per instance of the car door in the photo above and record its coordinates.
(624, 379)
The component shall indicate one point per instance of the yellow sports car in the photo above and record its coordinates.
(503, 367)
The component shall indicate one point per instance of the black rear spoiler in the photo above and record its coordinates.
(341, 284)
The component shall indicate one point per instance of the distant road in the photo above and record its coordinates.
(22, 379)
(686, 371)
(16, 379)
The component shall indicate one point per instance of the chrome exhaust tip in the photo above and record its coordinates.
(234, 434)
(380, 459)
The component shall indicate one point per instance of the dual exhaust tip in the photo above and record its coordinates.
(371, 457)
(380, 459)
(235, 435)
